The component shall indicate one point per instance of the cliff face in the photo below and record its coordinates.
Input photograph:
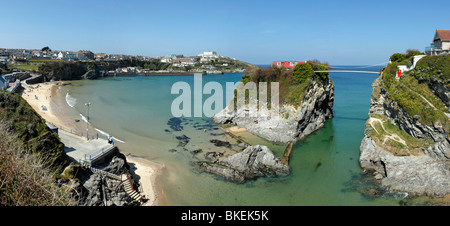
(407, 153)
(293, 122)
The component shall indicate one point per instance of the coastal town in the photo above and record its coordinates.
(208, 62)
(247, 106)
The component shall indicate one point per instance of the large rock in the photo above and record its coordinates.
(254, 161)
(427, 174)
(417, 175)
(293, 123)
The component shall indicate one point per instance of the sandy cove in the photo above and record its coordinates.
(39, 97)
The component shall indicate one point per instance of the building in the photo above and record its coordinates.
(3, 84)
(4, 58)
(84, 55)
(286, 64)
(207, 56)
(441, 43)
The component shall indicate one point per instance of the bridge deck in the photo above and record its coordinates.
(370, 72)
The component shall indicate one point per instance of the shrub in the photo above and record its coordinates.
(397, 57)
(302, 72)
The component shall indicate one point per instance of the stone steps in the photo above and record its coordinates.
(128, 187)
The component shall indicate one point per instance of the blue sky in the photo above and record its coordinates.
(339, 32)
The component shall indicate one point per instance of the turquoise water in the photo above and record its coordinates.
(325, 168)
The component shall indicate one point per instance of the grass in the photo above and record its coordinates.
(433, 68)
(20, 118)
(408, 98)
(424, 90)
(25, 67)
(25, 181)
(413, 145)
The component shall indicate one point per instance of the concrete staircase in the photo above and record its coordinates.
(128, 187)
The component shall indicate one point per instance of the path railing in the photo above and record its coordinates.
(81, 134)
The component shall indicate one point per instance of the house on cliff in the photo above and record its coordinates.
(286, 64)
(441, 43)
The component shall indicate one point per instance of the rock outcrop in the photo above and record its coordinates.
(254, 161)
(427, 173)
(293, 122)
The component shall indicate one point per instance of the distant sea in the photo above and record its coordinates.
(325, 167)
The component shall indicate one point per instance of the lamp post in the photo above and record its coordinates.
(87, 120)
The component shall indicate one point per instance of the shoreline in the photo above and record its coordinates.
(148, 173)
(42, 98)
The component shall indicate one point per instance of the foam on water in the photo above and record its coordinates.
(71, 101)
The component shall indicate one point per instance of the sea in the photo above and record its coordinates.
(136, 111)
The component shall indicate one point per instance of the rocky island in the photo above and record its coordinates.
(407, 143)
(305, 103)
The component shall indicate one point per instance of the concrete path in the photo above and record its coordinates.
(77, 147)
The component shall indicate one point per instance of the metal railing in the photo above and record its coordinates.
(81, 134)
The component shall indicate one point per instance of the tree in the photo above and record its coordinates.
(302, 71)
(397, 57)
(412, 52)
(47, 49)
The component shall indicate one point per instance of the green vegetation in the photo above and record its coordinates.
(381, 134)
(302, 72)
(25, 181)
(293, 84)
(18, 117)
(433, 68)
(31, 157)
(397, 57)
(63, 70)
(406, 92)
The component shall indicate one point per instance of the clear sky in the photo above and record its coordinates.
(339, 32)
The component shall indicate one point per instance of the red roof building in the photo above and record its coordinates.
(441, 43)
(286, 64)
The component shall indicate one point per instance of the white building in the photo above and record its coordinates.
(441, 43)
(208, 56)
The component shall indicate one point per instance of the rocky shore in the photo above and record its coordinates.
(254, 161)
(419, 168)
(105, 185)
(293, 122)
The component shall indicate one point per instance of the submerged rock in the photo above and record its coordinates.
(175, 124)
(220, 143)
(254, 161)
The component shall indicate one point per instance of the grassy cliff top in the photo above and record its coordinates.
(19, 118)
(293, 83)
(433, 68)
(415, 97)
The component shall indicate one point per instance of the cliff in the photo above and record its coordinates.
(305, 103)
(407, 142)
(19, 118)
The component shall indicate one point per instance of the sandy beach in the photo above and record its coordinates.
(39, 97)
(147, 173)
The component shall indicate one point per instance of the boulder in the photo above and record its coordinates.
(254, 161)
